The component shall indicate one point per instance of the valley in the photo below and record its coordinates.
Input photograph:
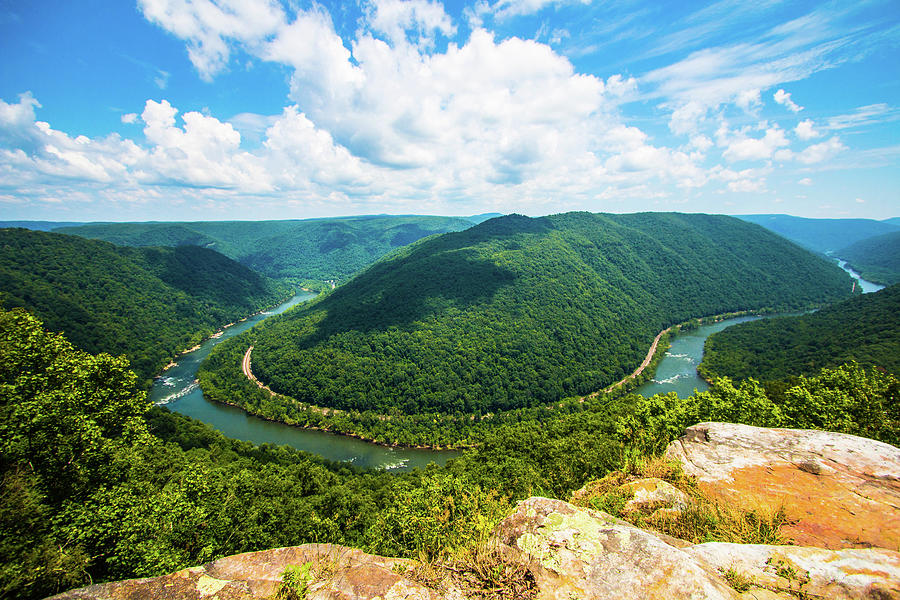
(225, 467)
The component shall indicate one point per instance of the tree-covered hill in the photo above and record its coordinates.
(311, 249)
(519, 312)
(822, 235)
(146, 303)
(876, 259)
(865, 329)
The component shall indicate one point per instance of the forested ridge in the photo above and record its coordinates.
(517, 312)
(822, 235)
(97, 486)
(876, 259)
(146, 303)
(865, 329)
(313, 250)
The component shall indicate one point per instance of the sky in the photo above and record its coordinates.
(112, 110)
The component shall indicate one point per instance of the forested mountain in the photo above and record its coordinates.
(519, 312)
(311, 249)
(876, 259)
(865, 329)
(146, 303)
(822, 235)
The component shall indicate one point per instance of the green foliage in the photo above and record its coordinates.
(437, 515)
(865, 329)
(295, 582)
(145, 303)
(514, 313)
(848, 399)
(315, 250)
(876, 258)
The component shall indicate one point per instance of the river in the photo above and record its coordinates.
(177, 389)
(677, 371)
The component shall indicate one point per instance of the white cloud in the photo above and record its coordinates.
(805, 130)
(784, 98)
(860, 201)
(739, 146)
(129, 118)
(820, 152)
(209, 26)
(864, 115)
(415, 21)
(805, 181)
(749, 100)
(512, 8)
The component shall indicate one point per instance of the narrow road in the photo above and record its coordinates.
(245, 366)
(641, 368)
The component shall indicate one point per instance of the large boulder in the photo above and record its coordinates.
(838, 490)
(336, 573)
(580, 553)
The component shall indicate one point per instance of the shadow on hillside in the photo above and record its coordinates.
(390, 296)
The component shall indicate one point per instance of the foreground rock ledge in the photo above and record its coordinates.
(841, 491)
(354, 575)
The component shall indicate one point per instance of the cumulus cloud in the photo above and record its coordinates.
(382, 116)
(806, 130)
(820, 152)
(805, 181)
(740, 146)
(784, 98)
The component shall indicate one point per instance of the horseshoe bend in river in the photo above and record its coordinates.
(176, 388)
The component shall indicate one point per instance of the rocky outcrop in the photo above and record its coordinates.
(580, 553)
(838, 490)
(336, 573)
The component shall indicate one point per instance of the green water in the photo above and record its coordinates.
(177, 389)
(677, 371)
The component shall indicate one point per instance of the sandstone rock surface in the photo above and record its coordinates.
(348, 574)
(840, 490)
(580, 553)
(816, 572)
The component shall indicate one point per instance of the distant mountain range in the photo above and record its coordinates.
(311, 249)
(824, 235)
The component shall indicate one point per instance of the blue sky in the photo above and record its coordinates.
(260, 109)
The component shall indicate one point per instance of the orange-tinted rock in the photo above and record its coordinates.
(347, 574)
(840, 490)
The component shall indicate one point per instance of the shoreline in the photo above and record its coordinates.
(654, 352)
(217, 334)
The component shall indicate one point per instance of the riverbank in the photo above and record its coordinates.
(218, 333)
